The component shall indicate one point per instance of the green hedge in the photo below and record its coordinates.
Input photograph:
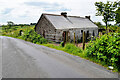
(32, 36)
(106, 49)
(26, 33)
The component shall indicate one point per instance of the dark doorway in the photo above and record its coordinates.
(65, 36)
(93, 33)
(81, 35)
(82, 31)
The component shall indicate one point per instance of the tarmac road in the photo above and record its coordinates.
(0, 58)
(21, 59)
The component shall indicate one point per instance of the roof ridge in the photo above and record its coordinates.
(77, 17)
(61, 15)
(51, 14)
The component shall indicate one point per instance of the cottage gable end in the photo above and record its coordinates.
(44, 26)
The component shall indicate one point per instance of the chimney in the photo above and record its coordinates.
(88, 17)
(64, 14)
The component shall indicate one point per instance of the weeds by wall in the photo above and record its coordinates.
(106, 49)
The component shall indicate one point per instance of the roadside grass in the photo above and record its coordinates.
(0, 31)
(73, 50)
(69, 48)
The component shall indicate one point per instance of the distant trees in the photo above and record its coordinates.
(108, 11)
(10, 24)
(33, 23)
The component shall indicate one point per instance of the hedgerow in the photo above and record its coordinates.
(26, 33)
(32, 36)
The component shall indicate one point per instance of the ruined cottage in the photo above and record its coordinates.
(56, 27)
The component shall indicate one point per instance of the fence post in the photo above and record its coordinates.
(77, 41)
(83, 40)
(74, 37)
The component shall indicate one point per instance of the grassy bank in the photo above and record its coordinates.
(26, 33)
(69, 48)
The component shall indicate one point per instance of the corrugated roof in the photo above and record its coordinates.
(61, 22)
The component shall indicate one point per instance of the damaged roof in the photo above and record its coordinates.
(62, 22)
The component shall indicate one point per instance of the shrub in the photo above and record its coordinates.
(106, 49)
(32, 36)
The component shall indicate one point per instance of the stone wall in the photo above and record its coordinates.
(78, 33)
(46, 29)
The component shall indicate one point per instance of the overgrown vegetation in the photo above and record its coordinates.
(106, 49)
(109, 11)
(99, 24)
(23, 32)
(32, 36)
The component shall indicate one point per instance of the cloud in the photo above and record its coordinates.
(7, 11)
(48, 7)
(42, 4)
(27, 11)
(56, 9)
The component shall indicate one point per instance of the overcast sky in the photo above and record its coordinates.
(29, 11)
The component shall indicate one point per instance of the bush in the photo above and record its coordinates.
(32, 36)
(106, 49)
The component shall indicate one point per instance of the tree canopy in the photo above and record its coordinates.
(117, 17)
(107, 10)
(99, 24)
(10, 23)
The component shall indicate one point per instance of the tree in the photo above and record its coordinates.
(117, 17)
(107, 10)
(99, 24)
(10, 24)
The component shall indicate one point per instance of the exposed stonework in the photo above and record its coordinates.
(47, 29)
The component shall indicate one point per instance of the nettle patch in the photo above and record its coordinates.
(106, 49)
